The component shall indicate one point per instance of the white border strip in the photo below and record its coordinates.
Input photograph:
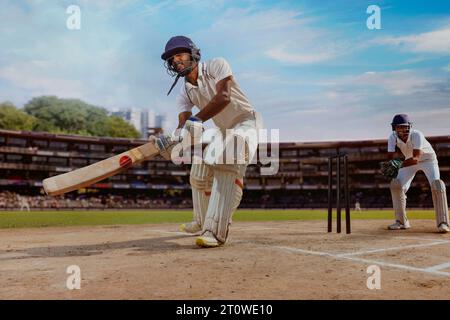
(439, 266)
(368, 261)
(431, 270)
(412, 246)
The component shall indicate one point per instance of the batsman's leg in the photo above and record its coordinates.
(237, 149)
(201, 181)
(225, 198)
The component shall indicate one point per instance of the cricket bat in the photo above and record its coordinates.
(98, 171)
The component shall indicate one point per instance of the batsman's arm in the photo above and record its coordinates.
(219, 101)
(182, 118)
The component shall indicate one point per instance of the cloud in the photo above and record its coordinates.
(398, 82)
(103, 63)
(282, 55)
(151, 9)
(282, 35)
(358, 106)
(105, 5)
(32, 77)
(437, 41)
(155, 8)
(386, 93)
(447, 68)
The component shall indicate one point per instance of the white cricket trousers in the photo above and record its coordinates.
(406, 175)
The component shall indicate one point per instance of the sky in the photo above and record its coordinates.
(312, 69)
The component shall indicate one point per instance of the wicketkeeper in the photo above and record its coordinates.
(211, 87)
(419, 155)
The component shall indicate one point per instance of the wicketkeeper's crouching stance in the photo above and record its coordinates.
(216, 184)
(419, 155)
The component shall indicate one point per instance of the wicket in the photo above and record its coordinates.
(339, 173)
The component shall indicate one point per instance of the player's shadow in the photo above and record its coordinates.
(150, 245)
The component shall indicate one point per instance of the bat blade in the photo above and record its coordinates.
(98, 171)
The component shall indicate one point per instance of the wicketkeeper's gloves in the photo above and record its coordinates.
(390, 168)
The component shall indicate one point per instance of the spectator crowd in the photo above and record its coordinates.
(11, 201)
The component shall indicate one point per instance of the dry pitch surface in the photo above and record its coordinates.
(263, 260)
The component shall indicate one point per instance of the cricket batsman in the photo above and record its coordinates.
(216, 185)
(419, 155)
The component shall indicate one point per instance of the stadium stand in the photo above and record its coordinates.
(26, 158)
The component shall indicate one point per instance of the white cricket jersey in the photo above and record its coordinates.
(209, 74)
(416, 140)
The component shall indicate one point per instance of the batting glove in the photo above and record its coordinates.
(164, 143)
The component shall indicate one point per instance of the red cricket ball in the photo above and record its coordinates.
(125, 161)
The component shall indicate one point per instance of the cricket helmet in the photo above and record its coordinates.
(179, 44)
(175, 45)
(400, 119)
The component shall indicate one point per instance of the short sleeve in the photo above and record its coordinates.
(392, 142)
(417, 139)
(183, 102)
(220, 69)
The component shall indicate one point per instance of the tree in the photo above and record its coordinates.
(65, 115)
(117, 127)
(12, 118)
(76, 117)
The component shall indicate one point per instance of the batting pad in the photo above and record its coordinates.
(225, 198)
(398, 201)
(201, 179)
(440, 201)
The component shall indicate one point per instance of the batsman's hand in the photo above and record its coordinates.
(192, 122)
(190, 133)
(390, 168)
(164, 143)
(194, 126)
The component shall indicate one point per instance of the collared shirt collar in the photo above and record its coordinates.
(200, 70)
(199, 77)
(409, 136)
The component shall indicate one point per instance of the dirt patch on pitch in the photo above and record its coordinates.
(263, 260)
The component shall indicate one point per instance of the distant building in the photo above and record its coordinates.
(160, 120)
(145, 121)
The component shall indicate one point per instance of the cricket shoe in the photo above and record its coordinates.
(443, 228)
(190, 227)
(207, 240)
(399, 226)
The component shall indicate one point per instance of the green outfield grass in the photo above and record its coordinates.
(35, 219)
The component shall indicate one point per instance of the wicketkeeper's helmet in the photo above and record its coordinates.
(400, 119)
